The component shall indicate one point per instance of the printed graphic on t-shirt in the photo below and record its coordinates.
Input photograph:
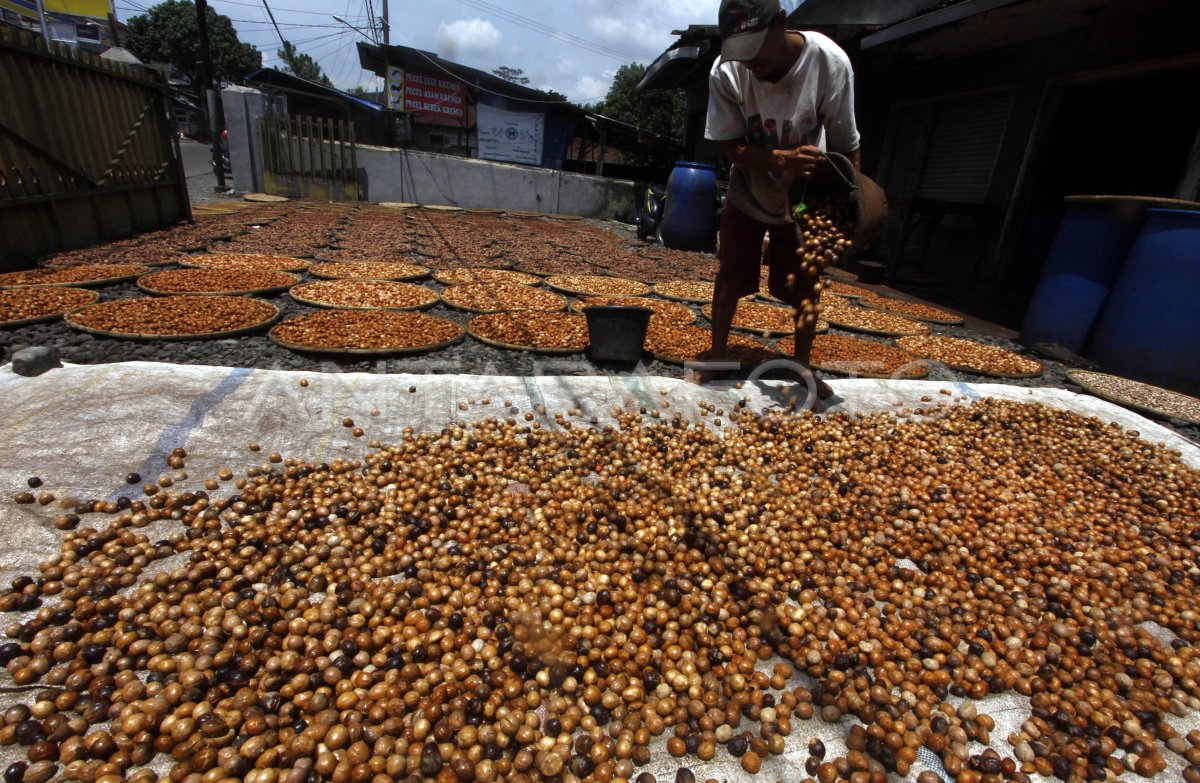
(766, 133)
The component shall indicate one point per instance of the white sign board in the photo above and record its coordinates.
(513, 136)
(394, 86)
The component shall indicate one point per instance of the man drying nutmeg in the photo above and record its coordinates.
(777, 99)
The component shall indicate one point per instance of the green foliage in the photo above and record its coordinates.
(301, 65)
(555, 95)
(660, 111)
(514, 75)
(168, 33)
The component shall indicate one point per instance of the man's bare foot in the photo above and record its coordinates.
(809, 379)
(704, 375)
(709, 368)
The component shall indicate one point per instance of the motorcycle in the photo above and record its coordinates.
(224, 155)
(650, 212)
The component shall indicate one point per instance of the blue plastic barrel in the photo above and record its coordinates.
(1083, 264)
(1150, 327)
(690, 219)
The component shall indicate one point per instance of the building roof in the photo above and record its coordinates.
(955, 28)
(376, 58)
(291, 83)
(685, 61)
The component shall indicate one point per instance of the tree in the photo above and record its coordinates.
(660, 111)
(555, 95)
(514, 75)
(168, 33)
(301, 65)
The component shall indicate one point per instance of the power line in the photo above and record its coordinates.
(287, 25)
(546, 30)
(282, 40)
(279, 7)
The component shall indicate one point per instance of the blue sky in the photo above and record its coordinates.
(572, 46)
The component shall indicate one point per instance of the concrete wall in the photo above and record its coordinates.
(387, 174)
(243, 107)
(429, 178)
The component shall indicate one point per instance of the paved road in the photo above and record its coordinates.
(197, 165)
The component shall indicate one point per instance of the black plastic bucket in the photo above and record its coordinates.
(617, 334)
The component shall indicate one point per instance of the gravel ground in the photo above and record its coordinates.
(468, 357)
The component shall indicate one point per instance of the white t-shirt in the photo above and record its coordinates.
(812, 104)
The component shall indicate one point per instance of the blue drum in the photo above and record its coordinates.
(690, 219)
(1150, 328)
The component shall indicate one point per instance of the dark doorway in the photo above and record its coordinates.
(1131, 136)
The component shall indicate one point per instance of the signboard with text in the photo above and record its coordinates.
(431, 99)
(513, 136)
(96, 9)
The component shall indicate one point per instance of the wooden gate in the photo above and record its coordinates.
(88, 150)
(309, 157)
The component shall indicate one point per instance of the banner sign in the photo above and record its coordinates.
(513, 136)
(95, 9)
(431, 99)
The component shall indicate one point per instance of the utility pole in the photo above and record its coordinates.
(216, 116)
(41, 9)
(387, 28)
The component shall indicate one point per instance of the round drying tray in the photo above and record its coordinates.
(501, 295)
(1171, 405)
(744, 307)
(563, 216)
(301, 294)
(670, 312)
(264, 198)
(961, 367)
(267, 262)
(919, 367)
(516, 347)
(734, 353)
(286, 281)
(369, 270)
(201, 247)
(466, 276)
(590, 285)
(820, 328)
(82, 297)
(398, 204)
(485, 211)
(881, 303)
(441, 208)
(352, 351)
(833, 317)
(682, 291)
(265, 320)
(740, 348)
(60, 278)
(842, 288)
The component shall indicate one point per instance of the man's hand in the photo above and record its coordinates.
(799, 161)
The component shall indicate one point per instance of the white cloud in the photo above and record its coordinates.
(467, 35)
(639, 37)
(642, 28)
(590, 89)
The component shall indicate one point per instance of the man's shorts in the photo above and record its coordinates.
(741, 257)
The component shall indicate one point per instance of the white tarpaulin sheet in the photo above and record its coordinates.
(82, 429)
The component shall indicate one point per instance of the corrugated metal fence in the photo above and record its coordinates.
(309, 157)
(88, 150)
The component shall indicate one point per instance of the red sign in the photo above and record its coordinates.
(434, 99)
